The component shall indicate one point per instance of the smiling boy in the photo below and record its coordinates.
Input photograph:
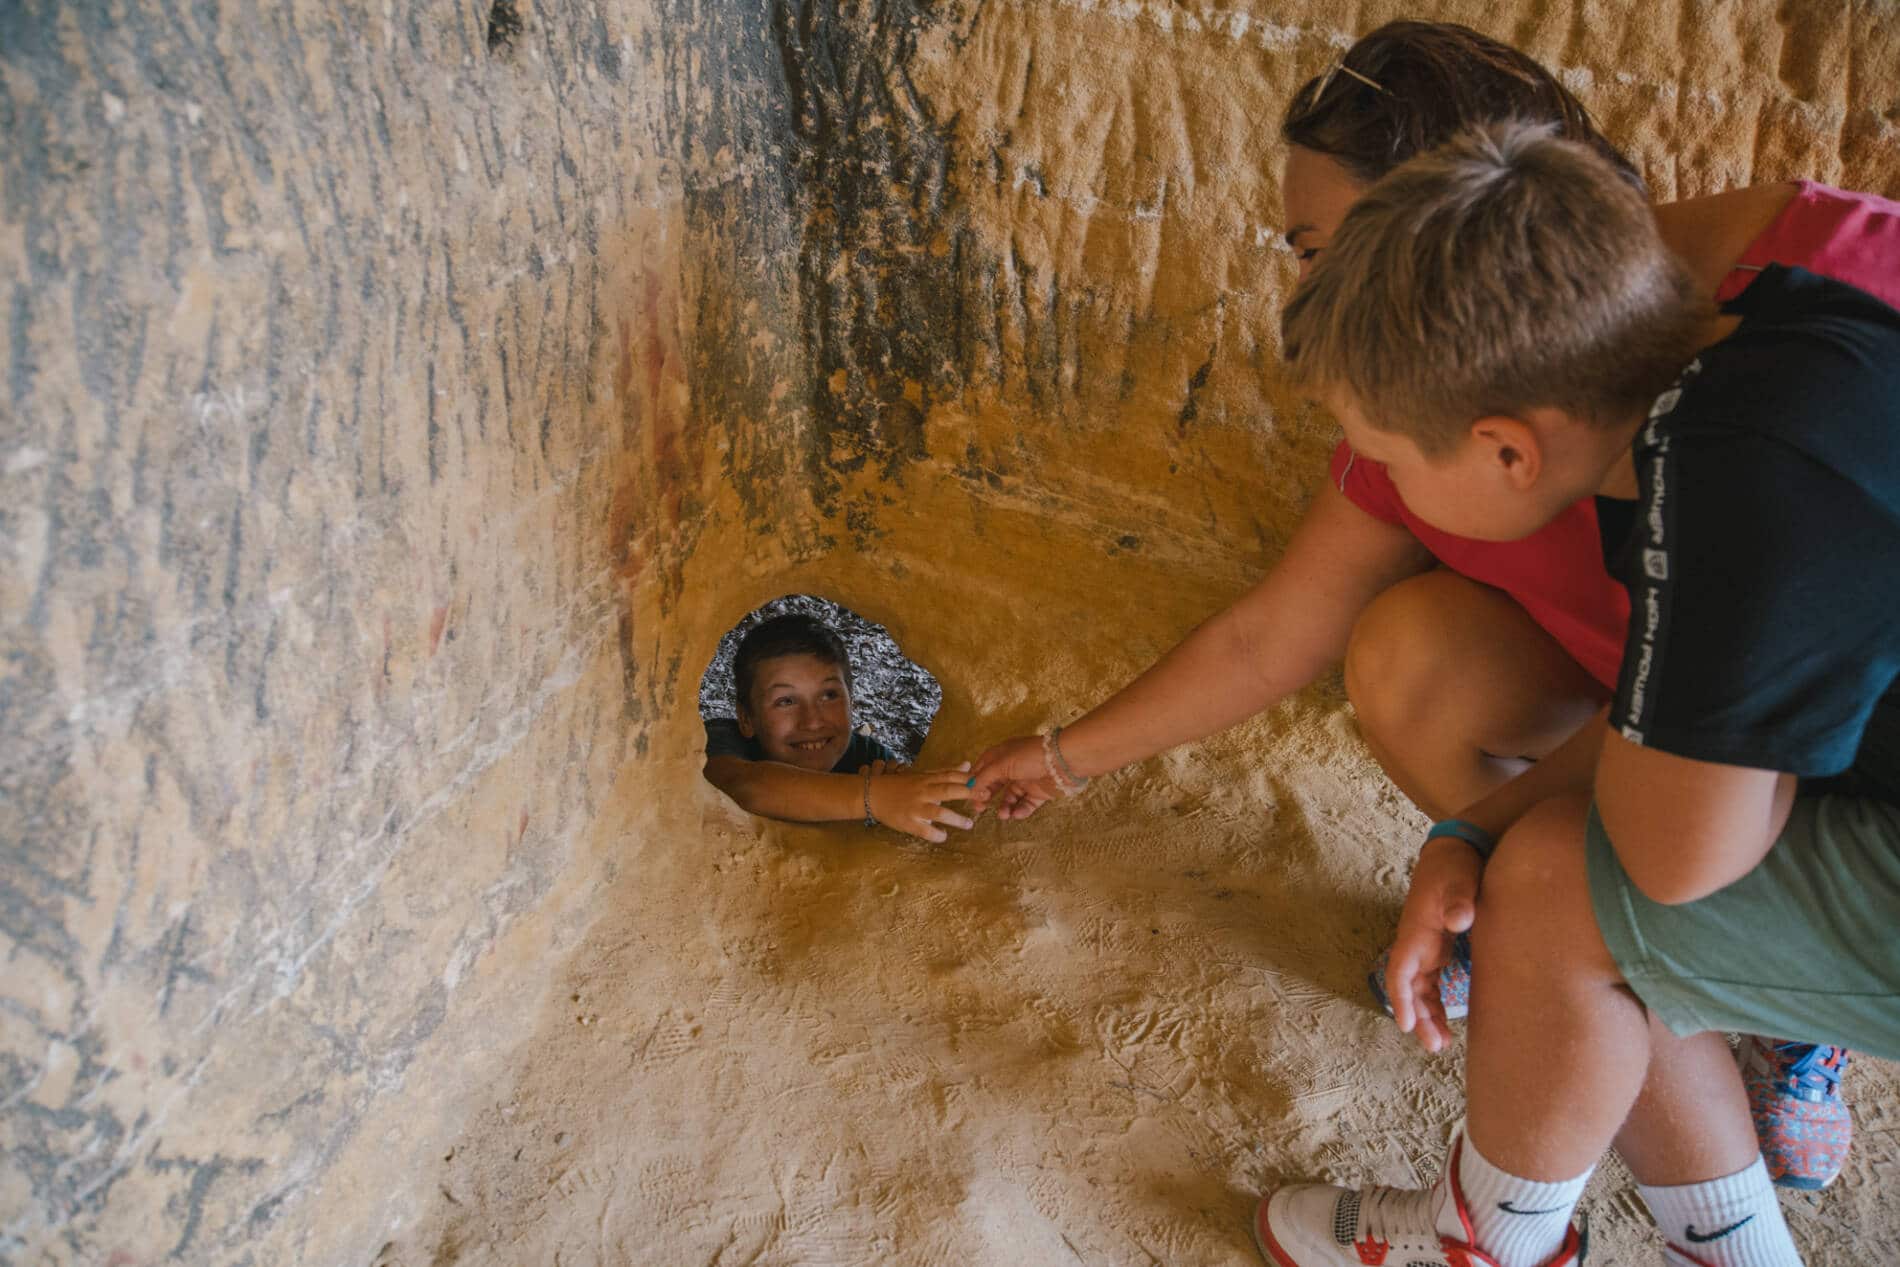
(1499, 324)
(792, 752)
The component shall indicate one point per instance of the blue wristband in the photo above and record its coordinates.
(1472, 834)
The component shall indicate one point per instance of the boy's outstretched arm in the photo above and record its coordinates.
(772, 789)
(1276, 638)
(912, 802)
(1684, 828)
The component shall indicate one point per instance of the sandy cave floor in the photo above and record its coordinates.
(1090, 1038)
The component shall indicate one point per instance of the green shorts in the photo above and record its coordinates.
(1804, 947)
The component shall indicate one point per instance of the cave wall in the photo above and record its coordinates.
(347, 436)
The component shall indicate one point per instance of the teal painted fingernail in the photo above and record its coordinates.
(970, 783)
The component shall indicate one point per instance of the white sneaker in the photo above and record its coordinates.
(1317, 1225)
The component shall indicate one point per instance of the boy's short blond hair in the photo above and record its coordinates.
(1505, 271)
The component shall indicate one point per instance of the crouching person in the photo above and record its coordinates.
(1498, 323)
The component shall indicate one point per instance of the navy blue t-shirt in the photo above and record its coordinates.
(723, 739)
(1762, 555)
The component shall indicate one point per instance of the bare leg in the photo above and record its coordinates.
(1560, 1048)
(1691, 1121)
(1458, 689)
(1563, 1060)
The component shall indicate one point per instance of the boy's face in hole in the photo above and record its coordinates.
(800, 711)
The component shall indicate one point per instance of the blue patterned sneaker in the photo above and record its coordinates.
(1313, 1225)
(1794, 1092)
(1454, 980)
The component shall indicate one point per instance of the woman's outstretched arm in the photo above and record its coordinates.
(1276, 638)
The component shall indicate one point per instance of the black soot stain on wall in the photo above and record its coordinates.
(844, 227)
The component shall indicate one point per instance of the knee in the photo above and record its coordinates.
(1395, 656)
(1534, 902)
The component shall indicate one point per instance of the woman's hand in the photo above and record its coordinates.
(913, 803)
(1016, 775)
(1442, 903)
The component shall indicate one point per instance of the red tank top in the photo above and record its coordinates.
(1556, 574)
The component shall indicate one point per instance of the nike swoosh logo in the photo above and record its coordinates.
(1508, 1208)
(1696, 1238)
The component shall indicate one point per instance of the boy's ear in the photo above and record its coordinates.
(1512, 446)
(744, 719)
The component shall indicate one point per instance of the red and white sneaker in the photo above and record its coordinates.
(1317, 1225)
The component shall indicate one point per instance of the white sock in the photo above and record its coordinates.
(1730, 1222)
(1519, 1222)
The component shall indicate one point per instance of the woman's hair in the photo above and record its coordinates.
(1433, 80)
(781, 636)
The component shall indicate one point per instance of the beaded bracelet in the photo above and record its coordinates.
(870, 819)
(1067, 781)
(1472, 834)
(1062, 763)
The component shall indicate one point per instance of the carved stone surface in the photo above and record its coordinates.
(333, 334)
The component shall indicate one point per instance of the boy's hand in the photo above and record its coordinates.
(1442, 904)
(1015, 770)
(913, 803)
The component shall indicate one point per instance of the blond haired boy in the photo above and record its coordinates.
(1499, 324)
